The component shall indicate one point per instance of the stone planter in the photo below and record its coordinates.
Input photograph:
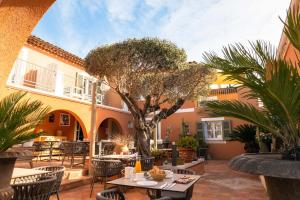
(7, 163)
(282, 177)
(187, 154)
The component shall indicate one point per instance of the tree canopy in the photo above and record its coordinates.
(152, 77)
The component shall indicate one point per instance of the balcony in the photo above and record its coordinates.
(52, 81)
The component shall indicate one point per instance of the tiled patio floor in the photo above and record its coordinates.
(218, 183)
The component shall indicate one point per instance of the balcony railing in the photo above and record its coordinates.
(52, 81)
(222, 91)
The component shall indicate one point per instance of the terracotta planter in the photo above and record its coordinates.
(187, 154)
(158, 162)
(7, 163)
(282, 177)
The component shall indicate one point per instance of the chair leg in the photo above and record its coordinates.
(92, 185)
(31, 164)
(57, 195)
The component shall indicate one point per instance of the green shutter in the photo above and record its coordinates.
(226, 125)
(200, 130)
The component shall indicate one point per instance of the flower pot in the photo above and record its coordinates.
(158, 162)
(187, 154)
(7, 163)
(282, 177)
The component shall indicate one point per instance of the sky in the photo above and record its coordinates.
(197, 26)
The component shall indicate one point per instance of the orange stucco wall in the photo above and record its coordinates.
(51, 128)
(17, 20)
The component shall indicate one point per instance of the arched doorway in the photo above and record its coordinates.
(108, 128)
(62, 125)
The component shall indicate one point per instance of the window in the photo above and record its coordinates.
(214, 129)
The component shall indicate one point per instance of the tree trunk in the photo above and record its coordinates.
(143, 138)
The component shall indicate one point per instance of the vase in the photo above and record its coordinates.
(7, 163)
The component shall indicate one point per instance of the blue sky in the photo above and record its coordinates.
(195, 25)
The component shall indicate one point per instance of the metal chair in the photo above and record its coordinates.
(180, 195)
(105, 169)
(56, 171)
(72, 149)
(147, 163)
(131, 163)
(115, 194)
(36, 189)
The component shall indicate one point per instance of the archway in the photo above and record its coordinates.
(62, 125)
(108, 128)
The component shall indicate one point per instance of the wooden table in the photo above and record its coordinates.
(176, 188)
(22, 172)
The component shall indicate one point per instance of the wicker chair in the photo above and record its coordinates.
(35, 189)
(131, 163)
(147, 163)
(72, 149)
(179, 195)
(58, 172)
(115, 194)
(41, 149)
(105, 169)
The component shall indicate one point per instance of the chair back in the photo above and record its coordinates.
(112, 194)
(106, 168)
(183, 171)
(56, 171)
(36, 189)
(147, 163)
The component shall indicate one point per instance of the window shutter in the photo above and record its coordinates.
(200, 130)
(226, 125)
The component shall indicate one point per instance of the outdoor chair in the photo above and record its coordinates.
(35, 189)
(56, 171)
(41, 149)
(105, 169)
(147, 163)
(115, 194)
(131, 163)
(108, 148)
(180, 195)
(73, 149)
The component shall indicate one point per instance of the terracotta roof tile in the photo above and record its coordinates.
(51, 48)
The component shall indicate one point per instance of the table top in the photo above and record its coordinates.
(21, 172)
(118, 156)
(176, 188)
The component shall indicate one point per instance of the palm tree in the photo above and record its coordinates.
(18, 119)
(274, 81)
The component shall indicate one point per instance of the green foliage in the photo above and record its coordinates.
(244, 133)
(18, 119)
(292, 27)
(273, 80)
(184, 128)
(167, 137)
(187, 142)
(159, 154)
(151, 69)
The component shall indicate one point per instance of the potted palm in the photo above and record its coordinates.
(246, 133)
(18, 119)
(276, 83)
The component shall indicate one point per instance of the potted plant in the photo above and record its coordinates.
(159, 156)
(166, 142)
(18, 119)
(187, 148)
(276, 83)
(246, 133)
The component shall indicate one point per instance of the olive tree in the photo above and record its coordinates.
(152, 77)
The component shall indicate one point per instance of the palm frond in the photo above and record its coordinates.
(292, 27)
(18, 119)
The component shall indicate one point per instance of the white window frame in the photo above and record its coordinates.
(216, 119)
